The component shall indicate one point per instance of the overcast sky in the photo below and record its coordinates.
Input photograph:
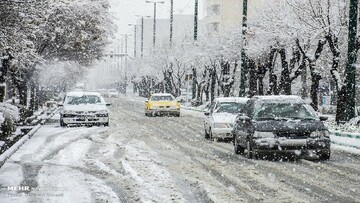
(125, 10)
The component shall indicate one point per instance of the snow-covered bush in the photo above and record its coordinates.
(9, 114)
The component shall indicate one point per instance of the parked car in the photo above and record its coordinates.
(162, 104)
(87, 108)
(220, 117)
(50, 106)
(113, 93)
(280, 125)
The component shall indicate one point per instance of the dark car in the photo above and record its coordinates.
(280, 125)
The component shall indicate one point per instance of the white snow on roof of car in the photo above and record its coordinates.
(231, 99)
(79, 94)
(284, 98)
(161, 94)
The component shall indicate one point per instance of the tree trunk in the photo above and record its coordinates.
(341, 105)
(272, 77)
(285, 82)
(304, 83)
(23, 93)
(32, 99)
(261, 74)
(194, 83)
(207, 85)
(252, 78)
(213, 84)
(3, 73)
(314, 91)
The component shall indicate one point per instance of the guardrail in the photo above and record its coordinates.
(345, 139)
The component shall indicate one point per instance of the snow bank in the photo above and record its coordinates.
(11, 110)
(17, 145)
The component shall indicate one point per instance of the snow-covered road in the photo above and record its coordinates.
(163, 159)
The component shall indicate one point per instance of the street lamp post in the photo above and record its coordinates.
(243, 79)
(196, 19)
(126, 59)
(154, 27)
(142, 33)
(171, 20)
(135, 34)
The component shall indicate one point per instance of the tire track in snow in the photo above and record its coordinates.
(297, 183)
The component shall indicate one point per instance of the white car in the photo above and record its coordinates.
(113, 93)
(220, 117)
(87, 108)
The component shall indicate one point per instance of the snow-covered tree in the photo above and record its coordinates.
(51, 30)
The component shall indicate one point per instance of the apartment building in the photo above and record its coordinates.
(224, 15)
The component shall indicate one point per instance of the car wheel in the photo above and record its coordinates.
(324, 156)
(207, 136)
(211, 136)
(249, 153)
(106, 124)
(177, 115)
(237, 148)
(62, 124)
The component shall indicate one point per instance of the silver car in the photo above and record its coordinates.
(87, 108)
(220, 117)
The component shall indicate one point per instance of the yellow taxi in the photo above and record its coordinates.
(162, 104)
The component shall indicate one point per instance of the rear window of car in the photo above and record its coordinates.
(162, 98)
(229, 107)
(284, 110)
(85, 99)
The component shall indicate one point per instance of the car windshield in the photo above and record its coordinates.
(229, 107)
(162, 98)
(85, 99)
(284, 111)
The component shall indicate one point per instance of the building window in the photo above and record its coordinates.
(213, 10)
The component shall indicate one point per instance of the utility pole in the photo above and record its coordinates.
(135, 35)
(126, 61)
(154, 27)
(142, 34)
(242, 92)
(196, 13)
(350, 66)
(126, 55)
(171, 20)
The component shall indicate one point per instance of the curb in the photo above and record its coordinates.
(345, 145)
(352, 136)
(344, 134)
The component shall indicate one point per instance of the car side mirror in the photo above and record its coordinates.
(108, 104)
(146, 101)
(207, 113)
(323, 118)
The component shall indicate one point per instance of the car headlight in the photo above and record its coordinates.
(321, 133)
(258, 134)
(69, 112)
(178, 105)
(102, 112)
(222, 125)
(150, 106)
